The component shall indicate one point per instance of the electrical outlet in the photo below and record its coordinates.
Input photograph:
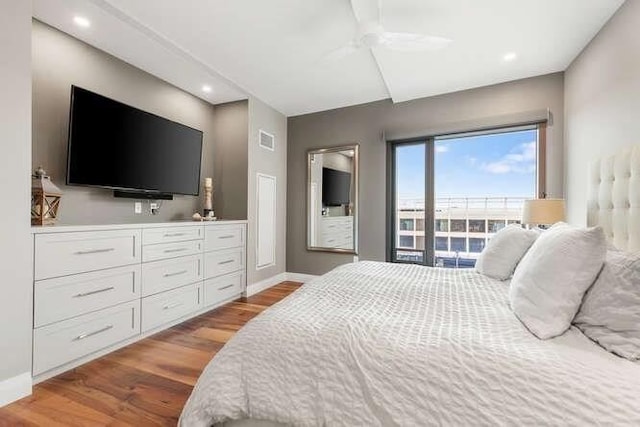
(153, 206)
(137, 207)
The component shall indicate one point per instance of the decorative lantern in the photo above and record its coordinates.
(45, 199)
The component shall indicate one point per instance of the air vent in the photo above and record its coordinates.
(267, 140)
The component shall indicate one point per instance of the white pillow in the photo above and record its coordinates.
(610, 311)
(550, 281)
(504, 251)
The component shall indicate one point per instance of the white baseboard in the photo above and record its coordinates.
(15, 388)
(260, 286)
(300, 277)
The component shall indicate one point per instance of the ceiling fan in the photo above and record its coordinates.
(371, 34)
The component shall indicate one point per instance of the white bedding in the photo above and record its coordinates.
(389, 344)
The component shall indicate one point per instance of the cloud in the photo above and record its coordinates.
(520, 160)
(442, 148)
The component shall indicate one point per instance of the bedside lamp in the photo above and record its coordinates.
(543, 211)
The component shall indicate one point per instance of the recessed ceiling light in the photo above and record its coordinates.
(81, 21)
(511, 56)
(206, 88)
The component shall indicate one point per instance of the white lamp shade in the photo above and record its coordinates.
(543, 211)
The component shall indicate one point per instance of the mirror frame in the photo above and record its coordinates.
(356, 202)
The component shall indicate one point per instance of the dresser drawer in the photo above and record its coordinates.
(171, 250)
(160, 276)
(62, 254)
(223, 262)
(171, 305)
(223, 237)
(222, 288)
(70, 296)
(152, 236)
(62, 342)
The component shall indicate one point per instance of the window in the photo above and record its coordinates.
(458, 244)
(449, 194)
(406, 224)
(406, 241)
(495, 225)
(476, 225)
(442, 243)
(442, 225)
(459, 225)
(476, 245)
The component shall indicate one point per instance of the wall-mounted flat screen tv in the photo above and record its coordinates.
(115, 146)
(336, 187)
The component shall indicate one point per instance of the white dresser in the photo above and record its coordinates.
(98, 288)
(336, 232)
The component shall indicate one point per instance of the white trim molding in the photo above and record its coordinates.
(15, 388)
(300, 277)
(266, 213)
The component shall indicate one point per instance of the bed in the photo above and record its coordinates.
(377, 344)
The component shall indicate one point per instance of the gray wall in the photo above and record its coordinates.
(367, 124)
(15, 164)
(602, 99)
(231, 127)
(60, 61)
(273, 163)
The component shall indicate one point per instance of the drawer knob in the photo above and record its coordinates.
(170, 306)
(90, 334)
(95, 251)
(228, 236)
(175, 234)
(98, 291)
(225, 262)
(226, 287)
(168, 251)
(177, 273)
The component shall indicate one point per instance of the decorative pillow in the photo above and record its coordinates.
(504, 251)
(610, 311)
(553, 276)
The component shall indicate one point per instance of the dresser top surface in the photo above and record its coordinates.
(102, 227)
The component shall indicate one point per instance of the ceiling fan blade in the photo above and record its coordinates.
(341, 52)
(411, 42)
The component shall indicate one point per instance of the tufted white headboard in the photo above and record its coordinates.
(614, 198)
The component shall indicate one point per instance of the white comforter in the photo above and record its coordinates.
(387, 344)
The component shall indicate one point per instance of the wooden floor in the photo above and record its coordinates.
(146, 383)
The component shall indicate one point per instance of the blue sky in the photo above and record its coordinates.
(489, 165)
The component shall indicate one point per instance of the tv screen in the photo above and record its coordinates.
(336, 186)
(116, 146)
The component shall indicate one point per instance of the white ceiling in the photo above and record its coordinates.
(274, 49)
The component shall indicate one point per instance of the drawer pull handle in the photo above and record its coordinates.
(170, 306)
(90, 334)
(168, 251)
(177, 273)
(226, 287)
(95, 251)
(175, 234)
(225, 262)
(228, 236)
(98, 291)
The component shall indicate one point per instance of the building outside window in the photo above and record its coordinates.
(406, 242)
(406, 224)
(442, 225)
(458, 225)
(495, 225)
(476, 245)
(442, 243)
(458, 244)
(476, 226)
(419, 224)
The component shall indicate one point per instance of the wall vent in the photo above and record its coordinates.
(267, 140)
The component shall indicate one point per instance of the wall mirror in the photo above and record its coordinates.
(332, 199)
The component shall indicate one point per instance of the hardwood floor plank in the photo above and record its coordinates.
(144, 384)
